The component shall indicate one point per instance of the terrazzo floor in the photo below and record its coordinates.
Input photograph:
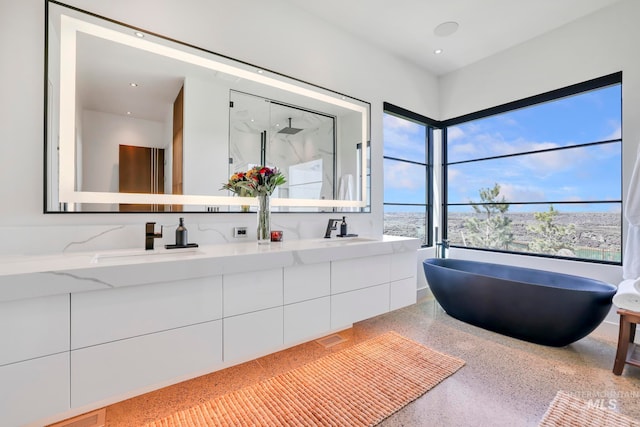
(505, 382)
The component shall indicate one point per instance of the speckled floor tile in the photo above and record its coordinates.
(505, 382)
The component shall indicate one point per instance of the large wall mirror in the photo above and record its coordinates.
(137, 123)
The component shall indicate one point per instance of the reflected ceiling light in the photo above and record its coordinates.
(446, 29)
(128, 113)
(139, 34)
(260, 71)
(133, 84)
(438, 51)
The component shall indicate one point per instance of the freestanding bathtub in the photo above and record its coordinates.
(542, 307)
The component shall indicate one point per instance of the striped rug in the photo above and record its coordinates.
(357, 386)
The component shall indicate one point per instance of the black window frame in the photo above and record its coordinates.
(575, 89)
(430, 126)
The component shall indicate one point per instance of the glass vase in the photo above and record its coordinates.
(264, 220)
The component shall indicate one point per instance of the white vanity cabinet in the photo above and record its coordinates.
(154, 322)
(307, 309)
(133, 366)
(402, 285)
(252, 314)
(359, 289)
(366, 287)
(34, 359)
(137, 338)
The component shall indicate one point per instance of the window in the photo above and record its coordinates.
(540, 176)
(407, 174)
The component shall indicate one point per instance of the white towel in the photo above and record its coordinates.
(631, 260)
(627, 297)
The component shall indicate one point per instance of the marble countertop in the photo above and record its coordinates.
(24, 276)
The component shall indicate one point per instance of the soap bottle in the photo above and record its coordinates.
(343, 227)
(181, 234)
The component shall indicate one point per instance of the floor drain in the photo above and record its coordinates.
(92, 419)
(330, 340)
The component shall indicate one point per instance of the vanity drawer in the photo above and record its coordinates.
(34, 389)
(306, 282)
(252, 335)
(252, 291)
(125, 368)
(350, 307)
(113, 314)
(404, 265)
(307, 320)
(402, 293)
(358, 273)
(33, 328)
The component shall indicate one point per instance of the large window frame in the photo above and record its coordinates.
(577, 89)
(426, 163)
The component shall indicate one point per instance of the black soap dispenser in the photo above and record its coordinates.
(181, 234)
(343, 227)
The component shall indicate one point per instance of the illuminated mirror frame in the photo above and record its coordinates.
(71, 26)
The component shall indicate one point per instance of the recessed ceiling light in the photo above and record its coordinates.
(446, 29)
(438, 51)
(139, 34)
(260, 71)
(128, 113)
(133, 84)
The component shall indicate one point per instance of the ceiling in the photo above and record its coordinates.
(486, 27)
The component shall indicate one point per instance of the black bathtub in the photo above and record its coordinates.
(542, 307)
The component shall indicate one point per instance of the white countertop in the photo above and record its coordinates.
(24, 276)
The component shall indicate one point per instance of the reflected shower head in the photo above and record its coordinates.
(289, 130)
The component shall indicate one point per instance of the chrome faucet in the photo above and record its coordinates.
(331, 225)
(150, 234)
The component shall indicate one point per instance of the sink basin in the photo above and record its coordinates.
(141, 254)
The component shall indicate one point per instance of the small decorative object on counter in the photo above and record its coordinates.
(343, 227)
(259, 182)
(181, 238)
(276, 235)
(181, 234)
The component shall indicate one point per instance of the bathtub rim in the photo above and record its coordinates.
(603, 286)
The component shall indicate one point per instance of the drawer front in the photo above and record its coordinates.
(109, 315)
(350, 307)
(252, 291)
(358, 273)
(33, 328)
(306, 282)
(34, 389)
(404, 265)
(121, 369)
(402, 293)
(307, 320)
(252, 335)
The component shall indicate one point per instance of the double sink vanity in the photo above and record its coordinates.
(83, 330)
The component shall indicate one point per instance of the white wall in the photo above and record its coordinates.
(271, 34)
(102, 135)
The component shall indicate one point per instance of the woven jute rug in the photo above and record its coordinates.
(357, 386)
(567, 410)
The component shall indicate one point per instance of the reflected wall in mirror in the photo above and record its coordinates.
(137, 122)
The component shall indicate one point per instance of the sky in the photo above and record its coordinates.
(577, 174)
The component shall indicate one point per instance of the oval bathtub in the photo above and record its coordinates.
(542, 307)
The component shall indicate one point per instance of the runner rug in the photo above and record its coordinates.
(567, 410)
(357, 386)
